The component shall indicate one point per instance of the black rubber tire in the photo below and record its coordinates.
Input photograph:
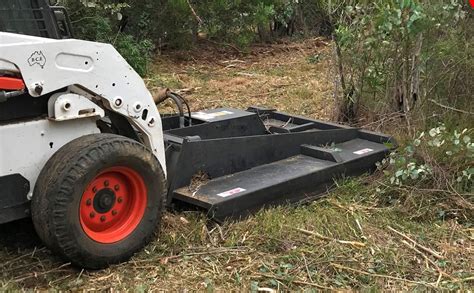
(59, 189)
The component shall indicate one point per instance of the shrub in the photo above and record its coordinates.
(396, 54)
(439, 159)
(101, 21)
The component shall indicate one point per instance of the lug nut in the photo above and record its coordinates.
(103, 218)
(116, 187)
(119, 200)
(114, 212)
(88, 202)
(94, 189)
(92, 214)
(106, 183)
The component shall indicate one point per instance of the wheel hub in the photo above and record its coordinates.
(113, 204)
(104, 200)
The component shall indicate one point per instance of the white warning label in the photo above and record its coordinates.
(210, 116)
(363, 151)
(231, 192)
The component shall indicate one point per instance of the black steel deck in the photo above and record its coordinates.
(260, 157)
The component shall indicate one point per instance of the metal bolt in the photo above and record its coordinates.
(92, 214)
(137, 107)
(114, 212)
(67, 106)
(38, 89)
(117, 187)
(119, 200)
(103, 218)
(106, 183)
(88, 202)
(118, 102)
(94, 189)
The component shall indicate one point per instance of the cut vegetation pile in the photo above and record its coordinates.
(355, 237)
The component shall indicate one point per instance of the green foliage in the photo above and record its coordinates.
(236, 21)
(177, 23)
(396, 53)
(138, 54)
(437, 158)
(99, 21)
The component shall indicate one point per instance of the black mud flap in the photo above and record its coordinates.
(14, 204)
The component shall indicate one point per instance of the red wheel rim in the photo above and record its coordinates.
(113, 205)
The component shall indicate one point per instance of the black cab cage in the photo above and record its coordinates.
(34, 18)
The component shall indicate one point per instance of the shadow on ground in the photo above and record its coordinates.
(25, 262)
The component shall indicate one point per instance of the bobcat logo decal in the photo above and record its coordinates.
(37, 58)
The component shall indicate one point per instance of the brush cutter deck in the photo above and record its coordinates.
(233, 162)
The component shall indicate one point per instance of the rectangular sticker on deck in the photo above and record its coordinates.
(231, 192)
(210, 116)
(363, 151)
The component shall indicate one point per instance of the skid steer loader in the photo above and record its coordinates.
(85, 153)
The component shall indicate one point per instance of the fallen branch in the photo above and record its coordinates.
(471, 278)
(316, 234)
(440, 271)
(294, 281)
(199, 19)
(30, 254)
(378, 275)
(450, 108)
(307, 269)
(188, 90)
(36, 275)
(218, 251)
(225, 44)
(424, 248)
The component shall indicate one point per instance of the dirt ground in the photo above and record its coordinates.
(353, 238)
(292, 77)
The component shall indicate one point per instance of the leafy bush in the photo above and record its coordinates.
(101, 21)
(396, 54)
(177, 23)
(438, 158)
(138, 54)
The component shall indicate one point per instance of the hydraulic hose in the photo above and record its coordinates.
(179, 104)
(163, 94)
(4, 96)
(187, 106)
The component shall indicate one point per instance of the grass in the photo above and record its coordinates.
(269, 250)
(342, 241)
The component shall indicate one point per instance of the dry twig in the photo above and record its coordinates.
(450, 108)
(295, 281)
(199, 19)
(426, 249)
(353, 243)
(440, 271)
(378, 275)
